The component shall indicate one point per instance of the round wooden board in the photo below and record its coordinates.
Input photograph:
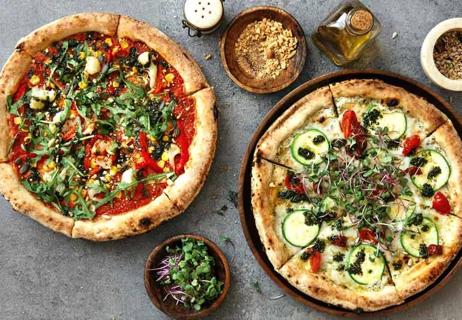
(244, 192)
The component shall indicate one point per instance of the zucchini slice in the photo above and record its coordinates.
(400, 212)
(309, 147)
(426, 234)
(371, 269)
(296, 232)
(434, 159)
(395, 121)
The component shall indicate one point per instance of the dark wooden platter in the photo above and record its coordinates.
(244, 192)
(235, 28)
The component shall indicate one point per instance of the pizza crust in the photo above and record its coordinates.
(263, 198)
(24, 202)
(201, 152)
(318, 286)
(175, 55)
(118, 226)
(44, 36)
(13, 71)
(416, 106)
(291, 120)
(424, 273)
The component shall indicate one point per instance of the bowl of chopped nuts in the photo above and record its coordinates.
(441, 54)
(187, 276)
(263, 49)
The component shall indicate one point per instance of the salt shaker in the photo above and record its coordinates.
(202, 16)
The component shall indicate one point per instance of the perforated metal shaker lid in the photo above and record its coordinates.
(203, 14)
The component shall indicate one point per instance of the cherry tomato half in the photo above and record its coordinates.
(441, 204)
(315, 261)
(410, 144)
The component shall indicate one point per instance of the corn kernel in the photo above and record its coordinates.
(115, 84)
(123, 43)
(83, 84)
(113, 170)
(135, 70)
(52, 165)
(93, 163)
(166, 169)
(169, 77)
(151, 149)
(161, 163)
(73, 197)
(34, 80)
(98, 53)
(165, 138)
(108, 41)
(119, 195)
(52, 85)
(152, 138)
(81, 55)
(164, 156)
(107, 177)
(17, 120)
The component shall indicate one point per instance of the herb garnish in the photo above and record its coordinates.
(188, 274)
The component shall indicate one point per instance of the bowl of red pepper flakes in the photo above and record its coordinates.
(168, 262)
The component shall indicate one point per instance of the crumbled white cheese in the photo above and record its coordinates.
(93, 66)
(36, 104)
(144, 58)
(172, 152)
(128, 176)
(57, 117)
(152, 72)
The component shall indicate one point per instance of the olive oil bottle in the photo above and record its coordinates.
(346, 31)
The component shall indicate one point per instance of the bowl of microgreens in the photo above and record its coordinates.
(187, 276)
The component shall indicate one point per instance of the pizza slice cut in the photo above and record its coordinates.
(301, 137)
(348, 273)
(429, 234)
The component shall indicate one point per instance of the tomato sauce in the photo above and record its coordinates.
(113, 48)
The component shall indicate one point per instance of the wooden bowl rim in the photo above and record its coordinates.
(245, 209)
(301, 46)
(216, 251)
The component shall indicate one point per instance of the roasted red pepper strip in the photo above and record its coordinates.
(147, 160)
(441, 204)
(367, 235)
(315, 261)
(339, 241)
(294, 183)
(21, 91)
(435, 250)
(182, 142)
(89, 154)
(410, 144)
(413, 170)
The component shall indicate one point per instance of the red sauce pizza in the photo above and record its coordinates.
(111, 127)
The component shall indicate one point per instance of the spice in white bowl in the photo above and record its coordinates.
(447, 55)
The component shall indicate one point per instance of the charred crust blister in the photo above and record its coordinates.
(145, 222)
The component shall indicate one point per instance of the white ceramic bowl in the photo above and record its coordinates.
(426, 54)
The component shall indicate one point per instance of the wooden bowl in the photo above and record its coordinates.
(155, 291)
(244, 192)
(228, 57)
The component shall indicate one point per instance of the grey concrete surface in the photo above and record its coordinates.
(44, 275)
